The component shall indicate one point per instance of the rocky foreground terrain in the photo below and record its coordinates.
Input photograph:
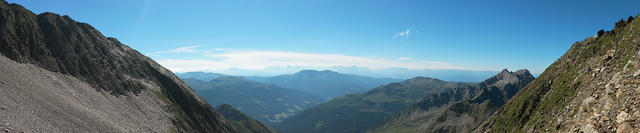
(59, 75)
(594, 87)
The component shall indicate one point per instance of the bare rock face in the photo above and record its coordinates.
(57, 74)
(594, 87)
(458, 110)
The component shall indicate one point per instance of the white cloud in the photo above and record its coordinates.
(404, 58)
(258, 60)
(187, 49)
(402, 35)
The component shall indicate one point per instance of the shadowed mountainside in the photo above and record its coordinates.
(268, 103)
(242, 122)
(60, 75)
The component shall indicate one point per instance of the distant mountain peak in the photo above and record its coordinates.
(505, 71)
(306, 72)
(523, 72)
(422, 80)
(422, 77)
(507, 77)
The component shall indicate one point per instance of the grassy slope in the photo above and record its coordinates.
(535, 106)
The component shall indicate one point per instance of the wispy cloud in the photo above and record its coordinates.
(187, 49)
(402, 35)
(404, 58)
(257, 60)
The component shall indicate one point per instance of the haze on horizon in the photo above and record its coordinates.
(284, 36)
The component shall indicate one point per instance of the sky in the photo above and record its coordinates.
(212, 35)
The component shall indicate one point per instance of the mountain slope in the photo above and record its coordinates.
(242, 122)
(463, 116)
(267, 103)
(326, 84)
(591, 88)
(356, 112)
(60, 75)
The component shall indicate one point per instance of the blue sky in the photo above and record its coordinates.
(210, 35)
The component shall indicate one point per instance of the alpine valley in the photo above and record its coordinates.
(317, 67)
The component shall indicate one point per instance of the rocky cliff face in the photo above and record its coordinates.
(62, 75)
(594, 87)
(460, 109)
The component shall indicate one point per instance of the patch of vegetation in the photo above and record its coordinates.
(554, 88)
(161, 96)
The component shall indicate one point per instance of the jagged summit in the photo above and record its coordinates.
(523, 72)
(506, 77)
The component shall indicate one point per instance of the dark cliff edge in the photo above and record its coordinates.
(60, 44)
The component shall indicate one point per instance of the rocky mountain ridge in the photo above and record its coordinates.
(358, 112)
(593, 87)
(458, 110)
(129, 91)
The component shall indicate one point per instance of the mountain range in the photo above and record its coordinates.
(433, 113)
(396, 73)
(326, 84)
(362, 112)
(267, 103)
(60, 75)
(356, 112)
